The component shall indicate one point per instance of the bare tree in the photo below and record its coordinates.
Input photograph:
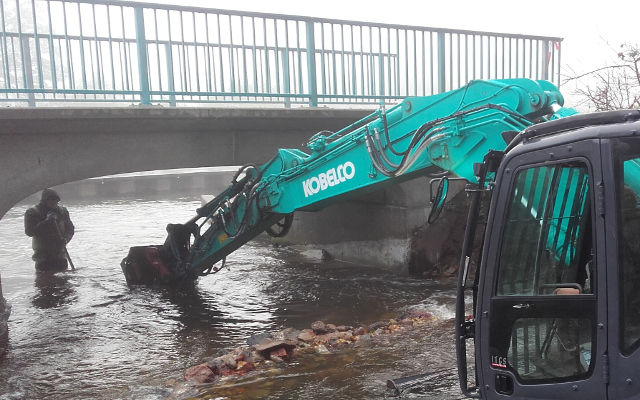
(614, 86)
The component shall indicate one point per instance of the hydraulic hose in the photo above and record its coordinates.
(421, 139)
(378, 158)
(375, 160)
(376, 136)
(386, 133)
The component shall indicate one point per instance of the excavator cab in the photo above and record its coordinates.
(557, 296)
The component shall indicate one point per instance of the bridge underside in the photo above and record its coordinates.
(44, 147)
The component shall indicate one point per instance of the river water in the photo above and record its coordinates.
(86, 335)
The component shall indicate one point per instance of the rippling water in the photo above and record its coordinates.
(85, 334)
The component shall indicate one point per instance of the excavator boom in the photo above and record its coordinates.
(448, 132)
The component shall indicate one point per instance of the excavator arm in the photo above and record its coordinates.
(448, 132)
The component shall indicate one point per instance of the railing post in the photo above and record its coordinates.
(559, 55)
(381, 79)
(27, 70)
(172, 97)
(545, 60)
(441, 64)
(285, 78)
(311, 65)
(143, 68)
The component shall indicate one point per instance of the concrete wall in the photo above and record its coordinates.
(5, 310)
(376, 229)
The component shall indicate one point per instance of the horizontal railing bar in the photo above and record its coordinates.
(288, 17)
(70, 91)
(45, 37)
(155, 93)
(364, 101)
(193, 94)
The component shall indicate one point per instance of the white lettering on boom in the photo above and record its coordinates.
(330, 178)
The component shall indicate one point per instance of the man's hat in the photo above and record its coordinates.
(49, 194)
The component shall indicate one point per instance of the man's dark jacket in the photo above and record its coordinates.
(48, 242)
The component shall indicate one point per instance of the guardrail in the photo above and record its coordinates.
(57, 51)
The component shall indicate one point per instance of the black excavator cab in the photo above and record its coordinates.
(555, 289)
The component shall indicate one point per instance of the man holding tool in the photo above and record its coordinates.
(49, 226)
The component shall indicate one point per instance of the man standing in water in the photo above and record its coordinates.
(51, 229)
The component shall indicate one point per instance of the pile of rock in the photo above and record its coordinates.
(283, 346)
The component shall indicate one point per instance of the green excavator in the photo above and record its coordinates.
(553, 292)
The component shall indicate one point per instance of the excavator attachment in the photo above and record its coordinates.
(220, 227)
(160, 264)
(145, 265)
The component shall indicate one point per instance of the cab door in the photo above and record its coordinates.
(622, 159)
(541, 310)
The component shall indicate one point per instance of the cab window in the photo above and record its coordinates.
(545, 250)
(544, 313)
(629, 250)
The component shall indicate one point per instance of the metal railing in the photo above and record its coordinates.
(125, 52)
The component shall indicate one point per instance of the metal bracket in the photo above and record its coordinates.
(469, 328)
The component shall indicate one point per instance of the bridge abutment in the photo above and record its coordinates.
(5, 310)
(379, 228)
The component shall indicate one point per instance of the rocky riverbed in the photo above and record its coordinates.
(268, 352)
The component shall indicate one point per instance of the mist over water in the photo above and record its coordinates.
(85, 334)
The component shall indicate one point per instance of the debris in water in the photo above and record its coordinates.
(280, 347)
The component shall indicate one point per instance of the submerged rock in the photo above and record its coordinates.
(322, 349)
(319, 327)
(255, 339)
(378, 325)
(200, 374)
(364, 340)
(360, 331)
(306, 335)
(244, 367)
(279, 355)
(288, 334)
(269, 347)
(229, 361)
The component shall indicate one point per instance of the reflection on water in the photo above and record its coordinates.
(52, 289)
(85, 334)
